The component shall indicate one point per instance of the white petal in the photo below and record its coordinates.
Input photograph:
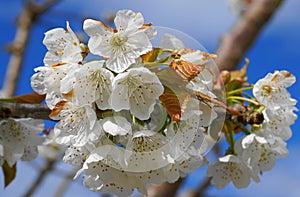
(128, 21)
(117, 125)
(169, 41)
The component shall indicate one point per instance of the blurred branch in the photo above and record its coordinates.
(235, 44)
(67, 180)
(24, 110)
(165, 189)
(30, 13)
(49, 166)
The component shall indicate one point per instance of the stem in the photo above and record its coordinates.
(243, 99)
(246, 131)
(239, 90)
(231, 135)
(246, 94)
(205, 98)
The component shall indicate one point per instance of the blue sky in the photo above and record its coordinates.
(205, 20)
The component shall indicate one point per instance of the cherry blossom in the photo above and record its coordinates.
(64, 55)
(121, 45)
(136, 90)
(278, 122)
(77, 125)
(90, 83)
(229, 168)
(261, 153)
(271, 90)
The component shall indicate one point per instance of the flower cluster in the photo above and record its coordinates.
(135, 116)
(264, 142)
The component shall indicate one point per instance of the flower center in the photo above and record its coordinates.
(266, 90)
(118, 41)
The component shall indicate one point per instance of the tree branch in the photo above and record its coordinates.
(49, 166)
(30, 13)
(235, 44)
(24, 110)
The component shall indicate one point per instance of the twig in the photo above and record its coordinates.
(49, 166)
(235, 44)
(24, 110)
(30, 13)
(67, 180)
(165, 189)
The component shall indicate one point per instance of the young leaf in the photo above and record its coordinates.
(152, 55)
(187, 70)
(32, 98)
(171, 103)
(9, 173)
(240, 73)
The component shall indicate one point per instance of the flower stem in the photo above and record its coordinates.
(239, 90)
(243, 99)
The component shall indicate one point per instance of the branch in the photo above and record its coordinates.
(235, 44)
(67, 180)
(30, 13)
(165, 189)
(49, 166)
(24, 110)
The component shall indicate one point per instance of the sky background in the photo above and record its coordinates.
(276, 48)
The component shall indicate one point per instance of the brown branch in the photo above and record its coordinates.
(24, 110)
(235, 44)
(165, 189)
(49, 166)
(67, 180)
(30, 13)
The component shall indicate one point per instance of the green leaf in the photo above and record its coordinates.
(9, 173)
(152, 55)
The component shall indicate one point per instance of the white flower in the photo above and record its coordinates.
(63, 46)
(277, 122)
(136, 90)
(271, 90)
(121, 45)
(77, 125)
(48, 81)
(260, 153)
(104, 175)
(63, 57)
(19, 139)
(229, 168)
(90, 83)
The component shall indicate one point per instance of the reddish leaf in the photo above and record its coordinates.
(9, 173)
(171, 103)
(25, 98)
(187, 70)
